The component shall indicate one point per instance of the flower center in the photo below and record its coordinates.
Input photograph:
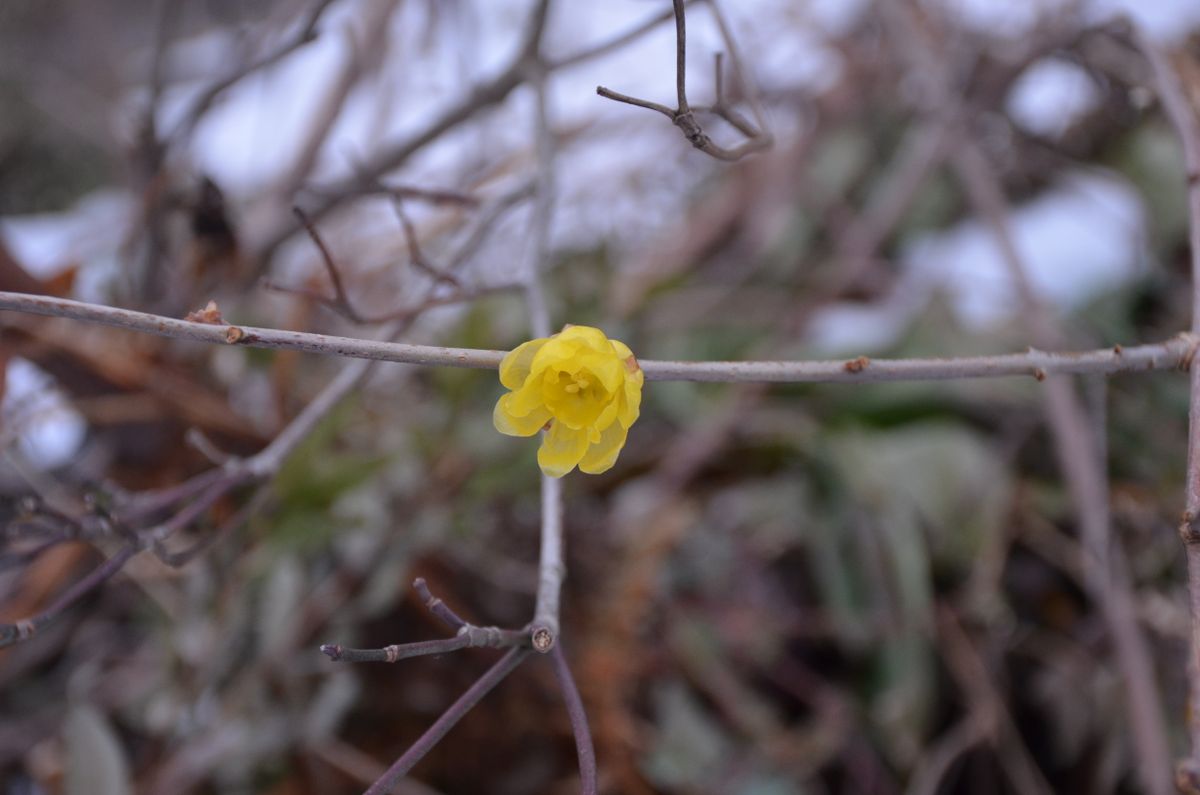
(580, 384)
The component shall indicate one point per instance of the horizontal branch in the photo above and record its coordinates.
(1172, 354)
(467, 636)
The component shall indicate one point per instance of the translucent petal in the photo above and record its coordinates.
(516, 365)
(556, 354)
(526, 399)
(631, 403)
(510, 424)
(561, 449)
(603, 454)
(607, 416)
(607, 368)
(621, 349)
(592, 337)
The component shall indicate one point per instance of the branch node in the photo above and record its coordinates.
(234, 335)
(542, 639)
(857, 365)
(1039, 374)
(1189, 529)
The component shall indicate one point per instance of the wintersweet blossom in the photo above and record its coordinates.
(582, 387)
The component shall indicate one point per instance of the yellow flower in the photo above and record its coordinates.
(584, 388)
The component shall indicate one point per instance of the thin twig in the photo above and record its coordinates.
(341, 304)
(305, 33)
(680, 57)
(1074, 444)
(970, 671)
(414, 247)
(1084, 471)
(584, 748)
(467, 636)
(341, 300)
(551, 567)
(25, 628)
(613, 44)
(433, 735)
(740, 73)
(683, 115)
(389, 158)
(468, 246)
(179, 558)
(1183, 117)
(1172, 354)
(204, 489)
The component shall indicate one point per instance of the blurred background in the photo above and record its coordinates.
(795, 589)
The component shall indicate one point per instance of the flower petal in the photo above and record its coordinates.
(631, 402)
(515, 366)
(608, 416)
(591, 337)
(557, 354)
(512, 425)
(607, 369)
(603, 454)
(561, 449)
(527, 398)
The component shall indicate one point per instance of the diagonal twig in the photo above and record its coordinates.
(584, 748)
(445, 722)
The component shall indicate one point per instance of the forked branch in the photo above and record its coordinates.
(683, 115)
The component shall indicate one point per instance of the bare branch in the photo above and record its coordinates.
(467, 636)
(25, 628)
(178, 559)
(613, 44)
(1183, 117)
(414, 247)
(579, 722)
(392, 157)
(608, 93)
(551, 566)
(465, 703)
(305, 33)
(683, 115)
(341, 301)
(1083, 470)
(1173, 354)
(203, 491)
(680, 58)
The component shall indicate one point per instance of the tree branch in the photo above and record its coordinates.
(579, 722)
(467, 636)
(305, 33)
(683, 115)
(445, 722)
(1172, 354)
(1182, 116)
